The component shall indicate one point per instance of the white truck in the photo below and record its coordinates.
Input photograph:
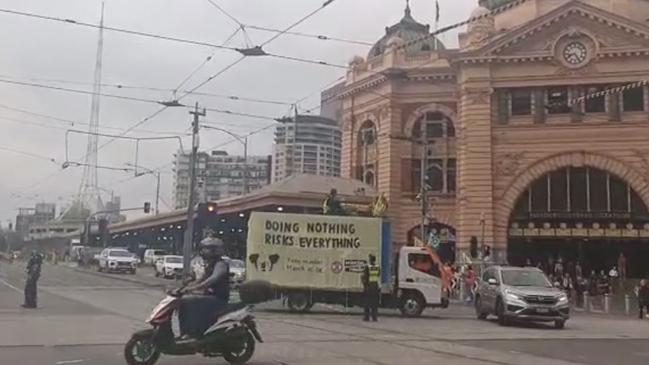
(313, 259)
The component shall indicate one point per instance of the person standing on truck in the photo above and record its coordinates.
(370, 279)
(331, 205)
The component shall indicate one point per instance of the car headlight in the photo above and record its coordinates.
(562, 299)
(513, 297)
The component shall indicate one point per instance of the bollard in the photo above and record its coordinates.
(627, 304)
(607, 303)
(586, 304)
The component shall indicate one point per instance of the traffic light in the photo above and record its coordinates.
(474, 247)
(207, 209)
(147, 207)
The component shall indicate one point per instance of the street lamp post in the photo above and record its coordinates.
(244, 141)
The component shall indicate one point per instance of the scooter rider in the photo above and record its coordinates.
(199, 311)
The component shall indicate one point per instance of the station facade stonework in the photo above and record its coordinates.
(507, 151)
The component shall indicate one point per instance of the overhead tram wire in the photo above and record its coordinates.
(76, 91)
(149, 88)
(298, 22)
(177, 39)
(308, 35)
(200, 84)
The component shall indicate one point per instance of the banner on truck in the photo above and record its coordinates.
(311, 251)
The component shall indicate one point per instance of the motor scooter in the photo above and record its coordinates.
(232, 335)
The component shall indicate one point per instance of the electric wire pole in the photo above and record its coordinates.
(188, 243)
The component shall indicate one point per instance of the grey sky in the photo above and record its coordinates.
(37, 51)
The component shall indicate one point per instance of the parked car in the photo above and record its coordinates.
(151, 256)
(237, 273)
(520, 293)
(117, 260)
(169, 266)
(237, 270)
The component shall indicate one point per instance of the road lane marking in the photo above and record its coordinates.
(10, 286)
(70, 361)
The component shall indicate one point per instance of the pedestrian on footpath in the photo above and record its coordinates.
(614, 276)
(643, 298)
(621, 264)
(370, 280)
(33, 274)
(469, 283)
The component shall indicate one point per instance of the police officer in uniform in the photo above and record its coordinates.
(33, 274)
(370, 278)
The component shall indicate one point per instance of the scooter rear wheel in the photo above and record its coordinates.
(140, 350)
(244, 351)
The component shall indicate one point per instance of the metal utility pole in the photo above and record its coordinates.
(157, 193)
(245, 166)
(189, 232)
(422, 181)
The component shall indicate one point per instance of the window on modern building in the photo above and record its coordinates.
(521, 102)
(633, 99)
(558, 100)
(596, 104)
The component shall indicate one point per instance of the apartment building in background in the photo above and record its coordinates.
(218, 176)
(307, 144)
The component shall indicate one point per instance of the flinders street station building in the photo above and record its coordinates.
(532, 137)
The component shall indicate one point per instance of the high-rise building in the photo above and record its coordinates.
(306, 145)
(218, 176)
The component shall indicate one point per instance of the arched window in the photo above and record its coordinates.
(578, 190)
(367, 134)
(440, 160)
(368, 178)
(436, 125)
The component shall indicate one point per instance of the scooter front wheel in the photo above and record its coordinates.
(242, 352)
(140, 349)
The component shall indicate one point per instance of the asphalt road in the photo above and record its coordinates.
(86, 317)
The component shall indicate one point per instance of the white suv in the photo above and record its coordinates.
(169, 266)
(117, 260)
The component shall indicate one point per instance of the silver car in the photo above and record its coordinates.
(520, 293)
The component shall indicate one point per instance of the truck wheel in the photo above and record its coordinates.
(299, 302)
(412, 304)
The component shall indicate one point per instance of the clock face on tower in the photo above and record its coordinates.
(575, 53)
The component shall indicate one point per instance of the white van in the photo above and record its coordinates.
(152, 255)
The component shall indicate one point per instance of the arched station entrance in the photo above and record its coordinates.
(580, 214)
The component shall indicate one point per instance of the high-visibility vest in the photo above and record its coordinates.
(374, 274)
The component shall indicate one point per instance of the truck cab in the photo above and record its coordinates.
(419, 280)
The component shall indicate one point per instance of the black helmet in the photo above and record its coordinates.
(211, 248)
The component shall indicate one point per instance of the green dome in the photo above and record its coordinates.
(407, 29)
